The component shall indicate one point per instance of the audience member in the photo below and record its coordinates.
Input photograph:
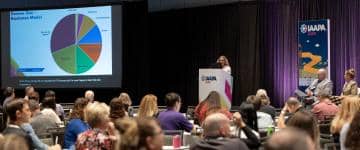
(212, 101)
(128, 134)
(101, 135)
(350, 86)
(325, 109)
(151, 136)
(289, 139)
(305, 121)
(292, 106)
(9, 94)
(58, 108)
(264, 120)
(48, 108)
(248, 113)
(76, 124)
(266, 107)
(350, 105)
(148, 106)
(90, 95)
(126, 100)
(172, 119)
(34, 96)
(217, 134)
(28, 90)
(40, 122)
(350, 135)
(117, 109)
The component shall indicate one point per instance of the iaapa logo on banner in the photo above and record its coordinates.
(312, 28)
(208, 79)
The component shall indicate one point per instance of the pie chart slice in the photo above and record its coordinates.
(76, 43)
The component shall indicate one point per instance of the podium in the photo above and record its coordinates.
(216, 80)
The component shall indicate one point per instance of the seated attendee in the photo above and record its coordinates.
(266, 107)
(350, 105)
(289, 139)
(126, 100)
(148, 106)
(9, 94)
(117, 109)
(151, 136)
(90, 95)
(307, 122)
(19, 113)
(211, 101)
(58, 108)
(292, 106)
(101, 134)
(76, 124)
(264, 120)
(325, 109)
(128, 134)
(171, 119)
(350, 135)
(40, 122)
(28, 90)
(350, 86)
(217, 135)
(248, 113)
(321, 83)
(48, 106)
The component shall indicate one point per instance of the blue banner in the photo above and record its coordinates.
(314, 50)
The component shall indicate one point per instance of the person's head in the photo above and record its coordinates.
(117, 109)
(150, 133)
(307, 122)
(29, 90)
(35, 96)
(97, 115)
(78, 110)
(148, 106)
(34, 107)
(223, 61)
(289, 139)
(173, 100)
(265, 101)
(9, 92)
(14, 142)
(18, 111)
(293, 104)
(49, 102)
(129, 134)
(261, 93)
(126, 100)
(50, 93)
(353, 135)
(322, 74)
(89, 94)
(323, 95)
(213, 99)
(349, 74)
(256, 101)
(216, 125)
(350, 105)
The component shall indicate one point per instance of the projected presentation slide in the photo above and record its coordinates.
(61, 42)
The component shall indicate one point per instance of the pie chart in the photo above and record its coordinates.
(76, 43)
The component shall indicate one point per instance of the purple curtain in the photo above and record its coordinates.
(278, 29)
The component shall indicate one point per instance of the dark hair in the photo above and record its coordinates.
(13, 106)
(129, 134)
(353, 135)
(78, 110)
(146, 129)
(33, 105)
(171, 99)
(117, 109)
(49, 102)
(256, 101)
(8, 91)
(35, 96)
(307, 122)
(248, 113)
(50, 93)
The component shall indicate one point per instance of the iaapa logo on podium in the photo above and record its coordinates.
(312, 28)
(208, 79)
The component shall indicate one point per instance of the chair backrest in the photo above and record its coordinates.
(46, 138)
(168, 136)
(57, 135)
(332, 146)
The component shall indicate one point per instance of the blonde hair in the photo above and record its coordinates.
(226, 61)
(128, 134)
(349, 106)
(125, 98)
(261, 93)
(350, 73)
(148, 106)
(96, 113)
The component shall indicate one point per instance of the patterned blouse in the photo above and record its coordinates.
(94, 139)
